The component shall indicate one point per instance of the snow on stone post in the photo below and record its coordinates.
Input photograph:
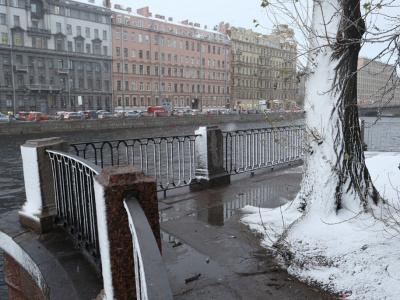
(39, 208)
(115, 238)
(210, 169)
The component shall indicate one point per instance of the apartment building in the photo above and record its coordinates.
(55, 55)
(376, 82)
(263, 68)
(156, 58)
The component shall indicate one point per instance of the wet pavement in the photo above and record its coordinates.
(209, 254)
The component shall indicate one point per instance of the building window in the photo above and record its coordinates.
(4, 38)
(117, 34)
(140, 38)
(118, 51)
(69, 29)
(3, 20)
(39, 43)
(104, 35)
(58, 27)
(96, 49)
(17, 39)
(96, 33)
(132, 36)
(16, 20)
(87, 32)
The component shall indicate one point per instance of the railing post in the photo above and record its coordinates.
(115, 238)
(209, 157)
(39, 208)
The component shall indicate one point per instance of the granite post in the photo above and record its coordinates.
(38, 210)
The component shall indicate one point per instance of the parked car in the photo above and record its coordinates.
(225, 111)
(73, 116)
(39, 116)
(133, 114)
(22, 116)
(106, 115)
(178, 113)
(58, 115)
(213, 112)
(5, 118)
(90, 114)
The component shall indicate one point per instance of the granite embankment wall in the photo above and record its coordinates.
(21, 127)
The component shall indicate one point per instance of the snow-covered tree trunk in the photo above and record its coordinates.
(335, 176)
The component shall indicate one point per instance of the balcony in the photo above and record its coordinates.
(39, 30)
(43, 88)
(62, 71)
(21, 68)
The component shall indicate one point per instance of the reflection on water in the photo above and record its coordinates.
(264, 196)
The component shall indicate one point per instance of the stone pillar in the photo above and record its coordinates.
(210, 169)
(39, 208)
(111, 186)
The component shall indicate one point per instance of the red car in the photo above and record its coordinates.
(22, 116)
(39, 115)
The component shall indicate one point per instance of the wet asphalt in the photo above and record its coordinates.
(209, 254)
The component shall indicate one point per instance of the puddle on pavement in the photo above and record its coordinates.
(264, 196)
(218, 214)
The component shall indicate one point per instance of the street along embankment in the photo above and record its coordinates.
(22, 127)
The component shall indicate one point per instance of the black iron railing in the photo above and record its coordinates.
(251, 149)
(170, 161)
(74, 197)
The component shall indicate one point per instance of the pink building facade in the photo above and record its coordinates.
(156, 58)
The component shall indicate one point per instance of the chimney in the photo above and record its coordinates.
(185, 22)
(144, 11)
(196, 25)
(191, 24)
(117, 6)
(129, 9)
(205, 26)
(170, 19)
(108, 3)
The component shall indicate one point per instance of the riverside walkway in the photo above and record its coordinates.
(209, 254)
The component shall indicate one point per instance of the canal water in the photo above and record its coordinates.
(382, 136)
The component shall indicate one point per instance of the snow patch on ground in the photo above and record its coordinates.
(350, 254)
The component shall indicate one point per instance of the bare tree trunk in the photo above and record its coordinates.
(335, 175)
(354, 176)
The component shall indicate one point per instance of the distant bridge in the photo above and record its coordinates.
(389, 110)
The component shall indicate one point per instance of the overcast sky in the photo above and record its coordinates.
(238, 13)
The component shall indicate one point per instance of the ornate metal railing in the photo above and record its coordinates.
(150, 274)
(74, 197)
(169, 160)
(251, 149)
